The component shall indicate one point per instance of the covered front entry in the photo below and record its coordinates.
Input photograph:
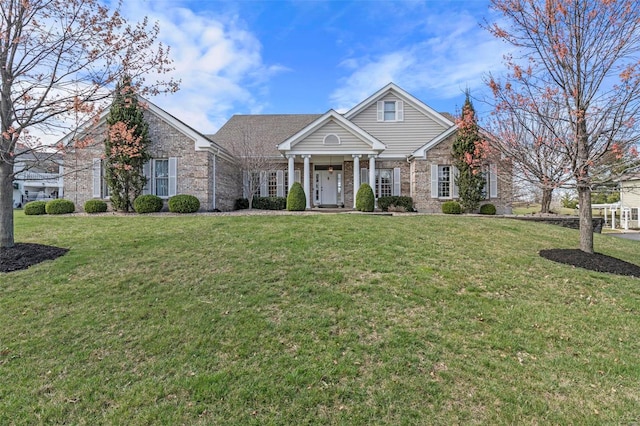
(328, 181)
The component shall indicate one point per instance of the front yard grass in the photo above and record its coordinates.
(315, 319)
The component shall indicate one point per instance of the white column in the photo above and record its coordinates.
(372, 173)
(307, 181)
(356, 177)
(292, 170)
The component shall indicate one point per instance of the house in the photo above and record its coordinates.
(629, 205)
(391, 140)
(36, 176)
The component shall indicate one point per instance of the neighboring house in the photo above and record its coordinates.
(37, 176)
(630, 197)
(391, 140)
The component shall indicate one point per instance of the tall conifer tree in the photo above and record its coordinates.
(469, 151)
(126, 147)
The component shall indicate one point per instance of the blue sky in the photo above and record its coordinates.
(274, 57)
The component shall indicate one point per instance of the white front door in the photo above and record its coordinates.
(329, 190)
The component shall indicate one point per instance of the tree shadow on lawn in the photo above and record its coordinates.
(593, 262)
(23, 255)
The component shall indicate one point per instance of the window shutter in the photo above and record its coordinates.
(400, 111)
(297, 177)
(396, 181)
(173, 176)
(264, 191)
(280, 183)
(97, 177)
(455, 191)
(380, 110)
(146, 172)
(364, 175)
(434, 181)
(493, 180)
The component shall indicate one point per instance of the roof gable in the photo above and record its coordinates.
(201, 142)
(406, 97)
(342, 122)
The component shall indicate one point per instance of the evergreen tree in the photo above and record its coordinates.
(469, 150)
(126, 147)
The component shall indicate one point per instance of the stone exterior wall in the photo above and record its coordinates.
(420, 184)
(228, 181)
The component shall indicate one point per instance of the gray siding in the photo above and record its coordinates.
(315, 141)
(402, 137)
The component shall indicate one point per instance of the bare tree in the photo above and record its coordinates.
(58, 60)
(526, 139)
(586, 54)
(253, 159)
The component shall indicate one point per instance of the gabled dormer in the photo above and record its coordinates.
(399, 120)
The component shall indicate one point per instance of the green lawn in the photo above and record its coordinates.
(315, 319)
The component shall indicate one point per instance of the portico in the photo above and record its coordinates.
(327, 148)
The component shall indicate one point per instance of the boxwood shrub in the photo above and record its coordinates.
(451, 207)
(488, 209)
(147, 204)
(365, 201)
(59, 206)
(184, 203)
(35, 208)
(95, 206)
(296, 200)
(403, 202)
(270, 203)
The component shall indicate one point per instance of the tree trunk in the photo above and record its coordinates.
(586, 222)
(6, 204)
(545, 204)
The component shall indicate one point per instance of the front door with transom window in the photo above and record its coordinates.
(326, 189)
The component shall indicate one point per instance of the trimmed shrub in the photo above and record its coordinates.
(395, 203)
(365, 201)
(241, 204)
(296, 200)
(489, 209)
(269, 203)
(147, 204)
(59, 206)
(184, 203)
(451, 207)
(95, 206)
(35, 208)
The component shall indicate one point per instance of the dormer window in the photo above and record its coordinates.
(390, 111)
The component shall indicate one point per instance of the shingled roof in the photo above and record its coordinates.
(265, 131)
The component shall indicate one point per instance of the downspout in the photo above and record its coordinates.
(215, 157)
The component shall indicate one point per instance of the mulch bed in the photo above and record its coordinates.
(23, 255)
(593, 262)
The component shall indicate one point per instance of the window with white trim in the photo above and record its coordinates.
(384, 182)
(444, 181)
(390, 110)
(272, 183)
(160, 175)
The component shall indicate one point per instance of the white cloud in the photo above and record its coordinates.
(456, 55)
(218, 61)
